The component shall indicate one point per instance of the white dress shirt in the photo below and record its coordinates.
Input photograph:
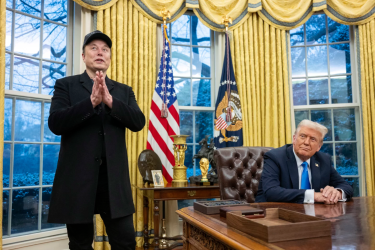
(309, 194)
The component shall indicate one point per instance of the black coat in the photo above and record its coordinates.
(81, 128)
(280, 181)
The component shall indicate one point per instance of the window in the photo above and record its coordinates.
(325, 90)
(36, 56)
(192, 52)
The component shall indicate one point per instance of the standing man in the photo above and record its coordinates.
(91, 113)
(299, 173)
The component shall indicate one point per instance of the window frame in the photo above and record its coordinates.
(356, 99)
(40, 234)
(214, 85)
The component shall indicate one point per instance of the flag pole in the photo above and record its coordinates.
(164, 112)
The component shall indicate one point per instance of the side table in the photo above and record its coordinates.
(168, 192)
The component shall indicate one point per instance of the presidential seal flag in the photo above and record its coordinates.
(164, 114)
(228, 111)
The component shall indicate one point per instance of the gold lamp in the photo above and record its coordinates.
(179, 169)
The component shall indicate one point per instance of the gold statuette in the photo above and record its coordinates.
(204, 165)
(179, 169)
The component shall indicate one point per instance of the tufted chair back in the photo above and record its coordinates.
(239, 170)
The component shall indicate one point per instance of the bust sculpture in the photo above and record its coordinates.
(148, 160)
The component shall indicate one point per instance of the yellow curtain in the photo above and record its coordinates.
(261, 70)
(2, 95)
(133, 63)
(367, 58)
(286, 14)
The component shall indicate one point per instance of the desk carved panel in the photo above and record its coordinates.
(206, 240)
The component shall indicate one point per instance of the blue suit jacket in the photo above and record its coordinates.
(279, 181)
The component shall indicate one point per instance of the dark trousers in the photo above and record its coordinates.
(120, 231)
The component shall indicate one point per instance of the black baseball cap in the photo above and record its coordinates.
(97, 34)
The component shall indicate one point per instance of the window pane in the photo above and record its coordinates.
(56, 10)
(354, 183)
(26, 165)
(8, 119)
(25, 210)
(346, 158)
(337, 32)
(27, 120)
(181, 30)
(298, 62)
(181, 61)
(5, 211)
(339, 59)
(201, 62)
(202, 92)
(189, 161)
(341, 89)
(183, 90)
(54, 42)
(317, 61)
(318, 91)
(316, 29)
(328, 149)
(6, 164)
(344, 124)
(296, 36)
(323, 117)
(301, 115)
(7, 70)
(50, 157)
(299, 92)
(186, 124)
(27, 35)
(204, 125)
(48, 135)
(46, 198)
(8, 38)
(201, 34)
(30, 7)
(9, 3)
(26, 74)
(51, 73)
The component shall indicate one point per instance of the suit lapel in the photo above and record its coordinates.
(109, 83)
(315, 173)
(292, 166)
(86, 82)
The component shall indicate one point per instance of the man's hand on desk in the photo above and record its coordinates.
(328, 195)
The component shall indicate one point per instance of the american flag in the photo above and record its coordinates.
(161, 128)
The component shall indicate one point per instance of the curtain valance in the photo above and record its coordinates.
(286, 14)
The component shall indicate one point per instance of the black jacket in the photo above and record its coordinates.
(82, 129)
(279, 181)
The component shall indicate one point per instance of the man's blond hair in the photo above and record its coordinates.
(313, 125)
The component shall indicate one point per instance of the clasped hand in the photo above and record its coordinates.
(100, 91)
(328, 195)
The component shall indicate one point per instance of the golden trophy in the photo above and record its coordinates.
(204, 164)
(179, 169)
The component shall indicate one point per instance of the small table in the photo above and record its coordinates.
(169, 192)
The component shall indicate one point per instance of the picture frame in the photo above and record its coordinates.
(157, 177)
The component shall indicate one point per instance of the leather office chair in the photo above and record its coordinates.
(239, 170)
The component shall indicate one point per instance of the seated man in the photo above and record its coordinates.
(299, 173)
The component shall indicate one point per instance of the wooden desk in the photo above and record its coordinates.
(171, 193)
(353, 227)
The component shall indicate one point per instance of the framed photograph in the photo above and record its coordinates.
(157, 177)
